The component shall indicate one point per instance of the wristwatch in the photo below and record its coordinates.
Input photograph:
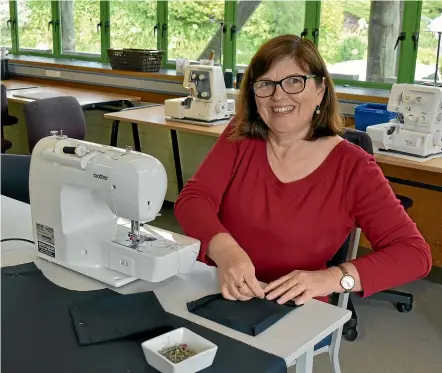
(347, 281)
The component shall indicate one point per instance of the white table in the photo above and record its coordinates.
(292, 338)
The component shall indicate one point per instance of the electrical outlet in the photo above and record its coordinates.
(53, 73)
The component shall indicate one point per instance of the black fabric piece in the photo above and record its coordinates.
(115, 317)
(38, 334)
(251, 317)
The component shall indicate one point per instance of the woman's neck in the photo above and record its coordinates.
(284, 144)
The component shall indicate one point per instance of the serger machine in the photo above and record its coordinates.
(207, 102)
(417, 130)
(89, 203)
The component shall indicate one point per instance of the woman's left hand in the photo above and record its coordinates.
(301, 286)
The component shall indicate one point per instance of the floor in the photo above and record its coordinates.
(388, 341)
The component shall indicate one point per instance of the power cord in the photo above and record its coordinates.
(17, 239)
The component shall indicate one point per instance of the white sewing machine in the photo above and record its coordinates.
(207, 102)
(417, 131)
(80, 195)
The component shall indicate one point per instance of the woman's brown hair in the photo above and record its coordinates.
(303, 51)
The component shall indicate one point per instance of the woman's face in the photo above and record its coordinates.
(285, 112)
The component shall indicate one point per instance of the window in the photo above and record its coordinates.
(358, 38)
(132, 24)
(430, 34)
(80, 34)
(258, 21)
(35, 25)
(194, 29)
(5, 26)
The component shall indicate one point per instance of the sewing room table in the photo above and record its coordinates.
(12, 85)
(292, 338)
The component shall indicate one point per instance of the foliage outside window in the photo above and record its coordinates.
(259, 21)
(194, 29)
(431, 30)
(358, 37)
(34, 26)
(79, 27)
(132, 24)
(352, 37)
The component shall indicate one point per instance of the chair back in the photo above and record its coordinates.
(15, 176)
(4, 102)
(54, 114)
(360, 138)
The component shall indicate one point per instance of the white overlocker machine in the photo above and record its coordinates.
(89, 205)
(417, 129)
(207, 102)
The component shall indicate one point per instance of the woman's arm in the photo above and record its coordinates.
(197, 206)
(400, 254)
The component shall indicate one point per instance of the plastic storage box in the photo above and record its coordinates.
(369, 114)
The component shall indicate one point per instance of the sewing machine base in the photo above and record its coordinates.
(217, 122)
(112, 278)
(392, 152)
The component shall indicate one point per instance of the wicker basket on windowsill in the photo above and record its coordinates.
(145, 60)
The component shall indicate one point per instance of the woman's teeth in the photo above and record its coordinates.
(283, 109)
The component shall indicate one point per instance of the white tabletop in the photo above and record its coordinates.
(289, 338)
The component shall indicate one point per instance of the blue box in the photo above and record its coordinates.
(369, 114)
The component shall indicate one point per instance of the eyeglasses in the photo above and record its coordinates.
(291, 84)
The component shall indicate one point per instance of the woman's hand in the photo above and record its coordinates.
(301, 286)
(236, 273)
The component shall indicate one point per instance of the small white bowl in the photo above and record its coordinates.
(205, 351)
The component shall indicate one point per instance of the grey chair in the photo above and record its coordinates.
(403, 301)
(54, 114)
(15, 176)
(7, 120)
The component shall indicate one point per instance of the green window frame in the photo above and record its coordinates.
(312, 30)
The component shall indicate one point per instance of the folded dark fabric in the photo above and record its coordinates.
(116, 316)
(250, 317)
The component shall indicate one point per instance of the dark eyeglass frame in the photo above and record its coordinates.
(279, 82)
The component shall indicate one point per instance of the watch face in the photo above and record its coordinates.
(347, 282)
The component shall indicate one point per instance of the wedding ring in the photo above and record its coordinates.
(240, 285)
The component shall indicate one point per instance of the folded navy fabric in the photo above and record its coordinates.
(119, 316)
(250, 317)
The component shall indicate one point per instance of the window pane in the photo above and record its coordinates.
(5, 31)
(194, 29)
(132, 24)
(79, 19)
(357, 39)
(33, 19)
(431, 31)
(258, 21)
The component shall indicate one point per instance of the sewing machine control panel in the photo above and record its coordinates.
(417, 107)
(201, 79)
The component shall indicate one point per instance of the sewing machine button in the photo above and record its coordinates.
(422, 119)
(202, 77)
(204, 94)
(418, 100)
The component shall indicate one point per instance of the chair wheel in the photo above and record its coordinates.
(403, 307)
(350, 334)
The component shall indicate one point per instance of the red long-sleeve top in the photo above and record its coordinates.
(302, 224)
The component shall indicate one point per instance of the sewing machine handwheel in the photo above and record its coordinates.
(402, 307)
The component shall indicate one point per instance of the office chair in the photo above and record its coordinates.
(15, 176)
(62, 113)
(404, 301)
(7, 120)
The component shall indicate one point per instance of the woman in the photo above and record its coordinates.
(280, 191)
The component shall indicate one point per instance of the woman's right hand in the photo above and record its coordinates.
(236, 273)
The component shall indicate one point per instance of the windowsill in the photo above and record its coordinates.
(346, 93)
